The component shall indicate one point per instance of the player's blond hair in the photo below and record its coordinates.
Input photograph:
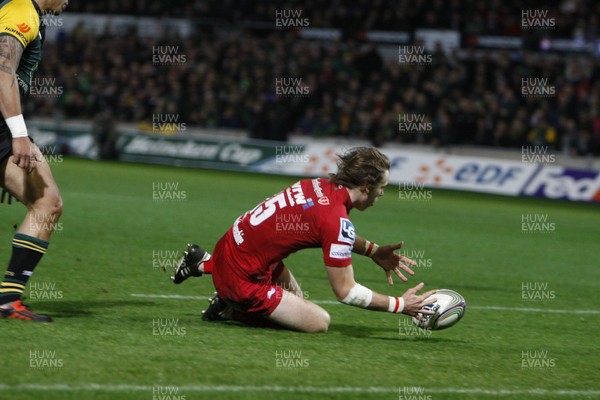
(360, 166)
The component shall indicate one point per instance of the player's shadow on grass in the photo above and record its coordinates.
(78, 308)
(367, 332)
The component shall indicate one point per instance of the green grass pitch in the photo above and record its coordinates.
(106, 343)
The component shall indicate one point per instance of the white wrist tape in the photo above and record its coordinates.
(17, 126)
(370, 248)
(359, 296)
(396, 305)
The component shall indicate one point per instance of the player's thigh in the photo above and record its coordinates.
(298, 314)
(39, 185)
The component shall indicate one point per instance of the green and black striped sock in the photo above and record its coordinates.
(26, 254)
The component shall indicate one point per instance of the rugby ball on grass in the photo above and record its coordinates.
(449, 309)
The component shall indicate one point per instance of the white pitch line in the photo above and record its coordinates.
(62, 387)
(333, 302)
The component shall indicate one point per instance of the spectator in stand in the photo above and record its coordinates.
(542, 134)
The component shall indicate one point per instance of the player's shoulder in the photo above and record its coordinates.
(329, 194)
(20, 19)
(334, 222)
(331, 201)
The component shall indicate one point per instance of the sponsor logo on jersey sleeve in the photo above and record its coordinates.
(346, 234)
(24, 27)
(340, 251)
(17, 33)
(324, 201)
(317, 187)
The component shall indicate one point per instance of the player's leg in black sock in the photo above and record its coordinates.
(38, 191)
(26, 254)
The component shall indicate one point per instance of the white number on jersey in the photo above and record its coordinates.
(267, 208)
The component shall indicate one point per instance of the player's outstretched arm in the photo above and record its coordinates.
(385, 257)
(11, 51)
(349, 292)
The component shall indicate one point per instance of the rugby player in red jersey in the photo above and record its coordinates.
(253, 284)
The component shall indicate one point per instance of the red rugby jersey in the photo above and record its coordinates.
(310, 213)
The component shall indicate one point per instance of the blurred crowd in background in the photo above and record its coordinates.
(230, 78)
(491, 17)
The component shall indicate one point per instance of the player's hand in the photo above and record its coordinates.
(414, 303)
(390, 261)
(23, 154)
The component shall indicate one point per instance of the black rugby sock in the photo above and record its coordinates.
(26, 254)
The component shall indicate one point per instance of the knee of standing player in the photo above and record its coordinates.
(51, 204)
